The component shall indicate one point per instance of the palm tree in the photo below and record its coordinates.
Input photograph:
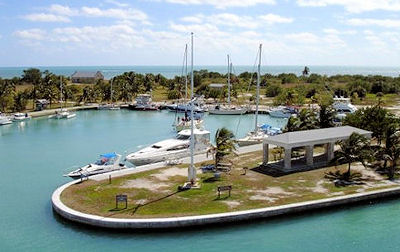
(306, 71)
(225, 144)
(353, 149)
(391, 151)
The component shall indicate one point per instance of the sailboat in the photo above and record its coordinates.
(228, 110)
(193, 141)
(62, 113)
(111, 106)
(257, 136)
(185, 122)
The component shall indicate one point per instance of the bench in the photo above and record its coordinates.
(225, 167)
(224, 188)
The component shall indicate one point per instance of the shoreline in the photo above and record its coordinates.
(211, 219)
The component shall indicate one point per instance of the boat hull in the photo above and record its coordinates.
(227, 112)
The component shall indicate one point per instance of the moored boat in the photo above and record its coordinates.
(174, 148)
(107, 163)
(21, 117)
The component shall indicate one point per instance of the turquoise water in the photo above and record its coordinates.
(171, 71)
(35, 154)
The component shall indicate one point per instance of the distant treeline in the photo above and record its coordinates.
(17, 93)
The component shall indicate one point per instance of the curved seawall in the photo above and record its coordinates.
(174, 222)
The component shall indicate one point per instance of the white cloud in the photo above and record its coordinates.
(387, 23)
(302, 37)
(30, 34)
(275, 19)
(222, 4)
(116, 3)
(127, 14)
(45, 17)
(355, 6)
(337, 32)
(242, 21)
(62, 10)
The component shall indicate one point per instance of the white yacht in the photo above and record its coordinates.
(4, 119)
(171, 148)
(229, 109)
(18, 117)
(107, 163)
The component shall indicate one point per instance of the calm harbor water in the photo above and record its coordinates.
(36, 153)
(171, 71)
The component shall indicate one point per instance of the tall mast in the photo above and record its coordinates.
(61, 94)
(192, 171)
(186, 72)
(258, 87)
(111, 91)
(229, 83)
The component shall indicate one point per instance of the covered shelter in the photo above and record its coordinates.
(308, 139)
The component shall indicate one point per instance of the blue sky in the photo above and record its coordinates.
(154, 32)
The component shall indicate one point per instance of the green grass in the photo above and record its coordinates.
(249, 191)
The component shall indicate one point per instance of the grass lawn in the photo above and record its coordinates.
(154, 193)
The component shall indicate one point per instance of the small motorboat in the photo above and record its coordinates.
(18, 117)
(107, 163)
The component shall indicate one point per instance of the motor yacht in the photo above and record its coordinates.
(175, 148)
(107, 163)
(18, 117)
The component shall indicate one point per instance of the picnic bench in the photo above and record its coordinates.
(226, 167)
(224, 188)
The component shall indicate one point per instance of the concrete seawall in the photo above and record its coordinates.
(175, 222)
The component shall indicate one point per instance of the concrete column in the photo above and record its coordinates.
(288, 159)
(310, 155)
(265, 153)
(330, 148)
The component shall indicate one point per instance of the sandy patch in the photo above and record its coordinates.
(319, 188)
(232, 203)
(271, 194)
(262, 197)
(165, 174)
(143, 184)
(336, 194)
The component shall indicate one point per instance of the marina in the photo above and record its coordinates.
(179, 126)
(25, 136)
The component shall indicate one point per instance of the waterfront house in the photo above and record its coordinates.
(86, 77)
(41, 104)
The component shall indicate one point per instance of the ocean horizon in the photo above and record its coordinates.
(171, 71)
